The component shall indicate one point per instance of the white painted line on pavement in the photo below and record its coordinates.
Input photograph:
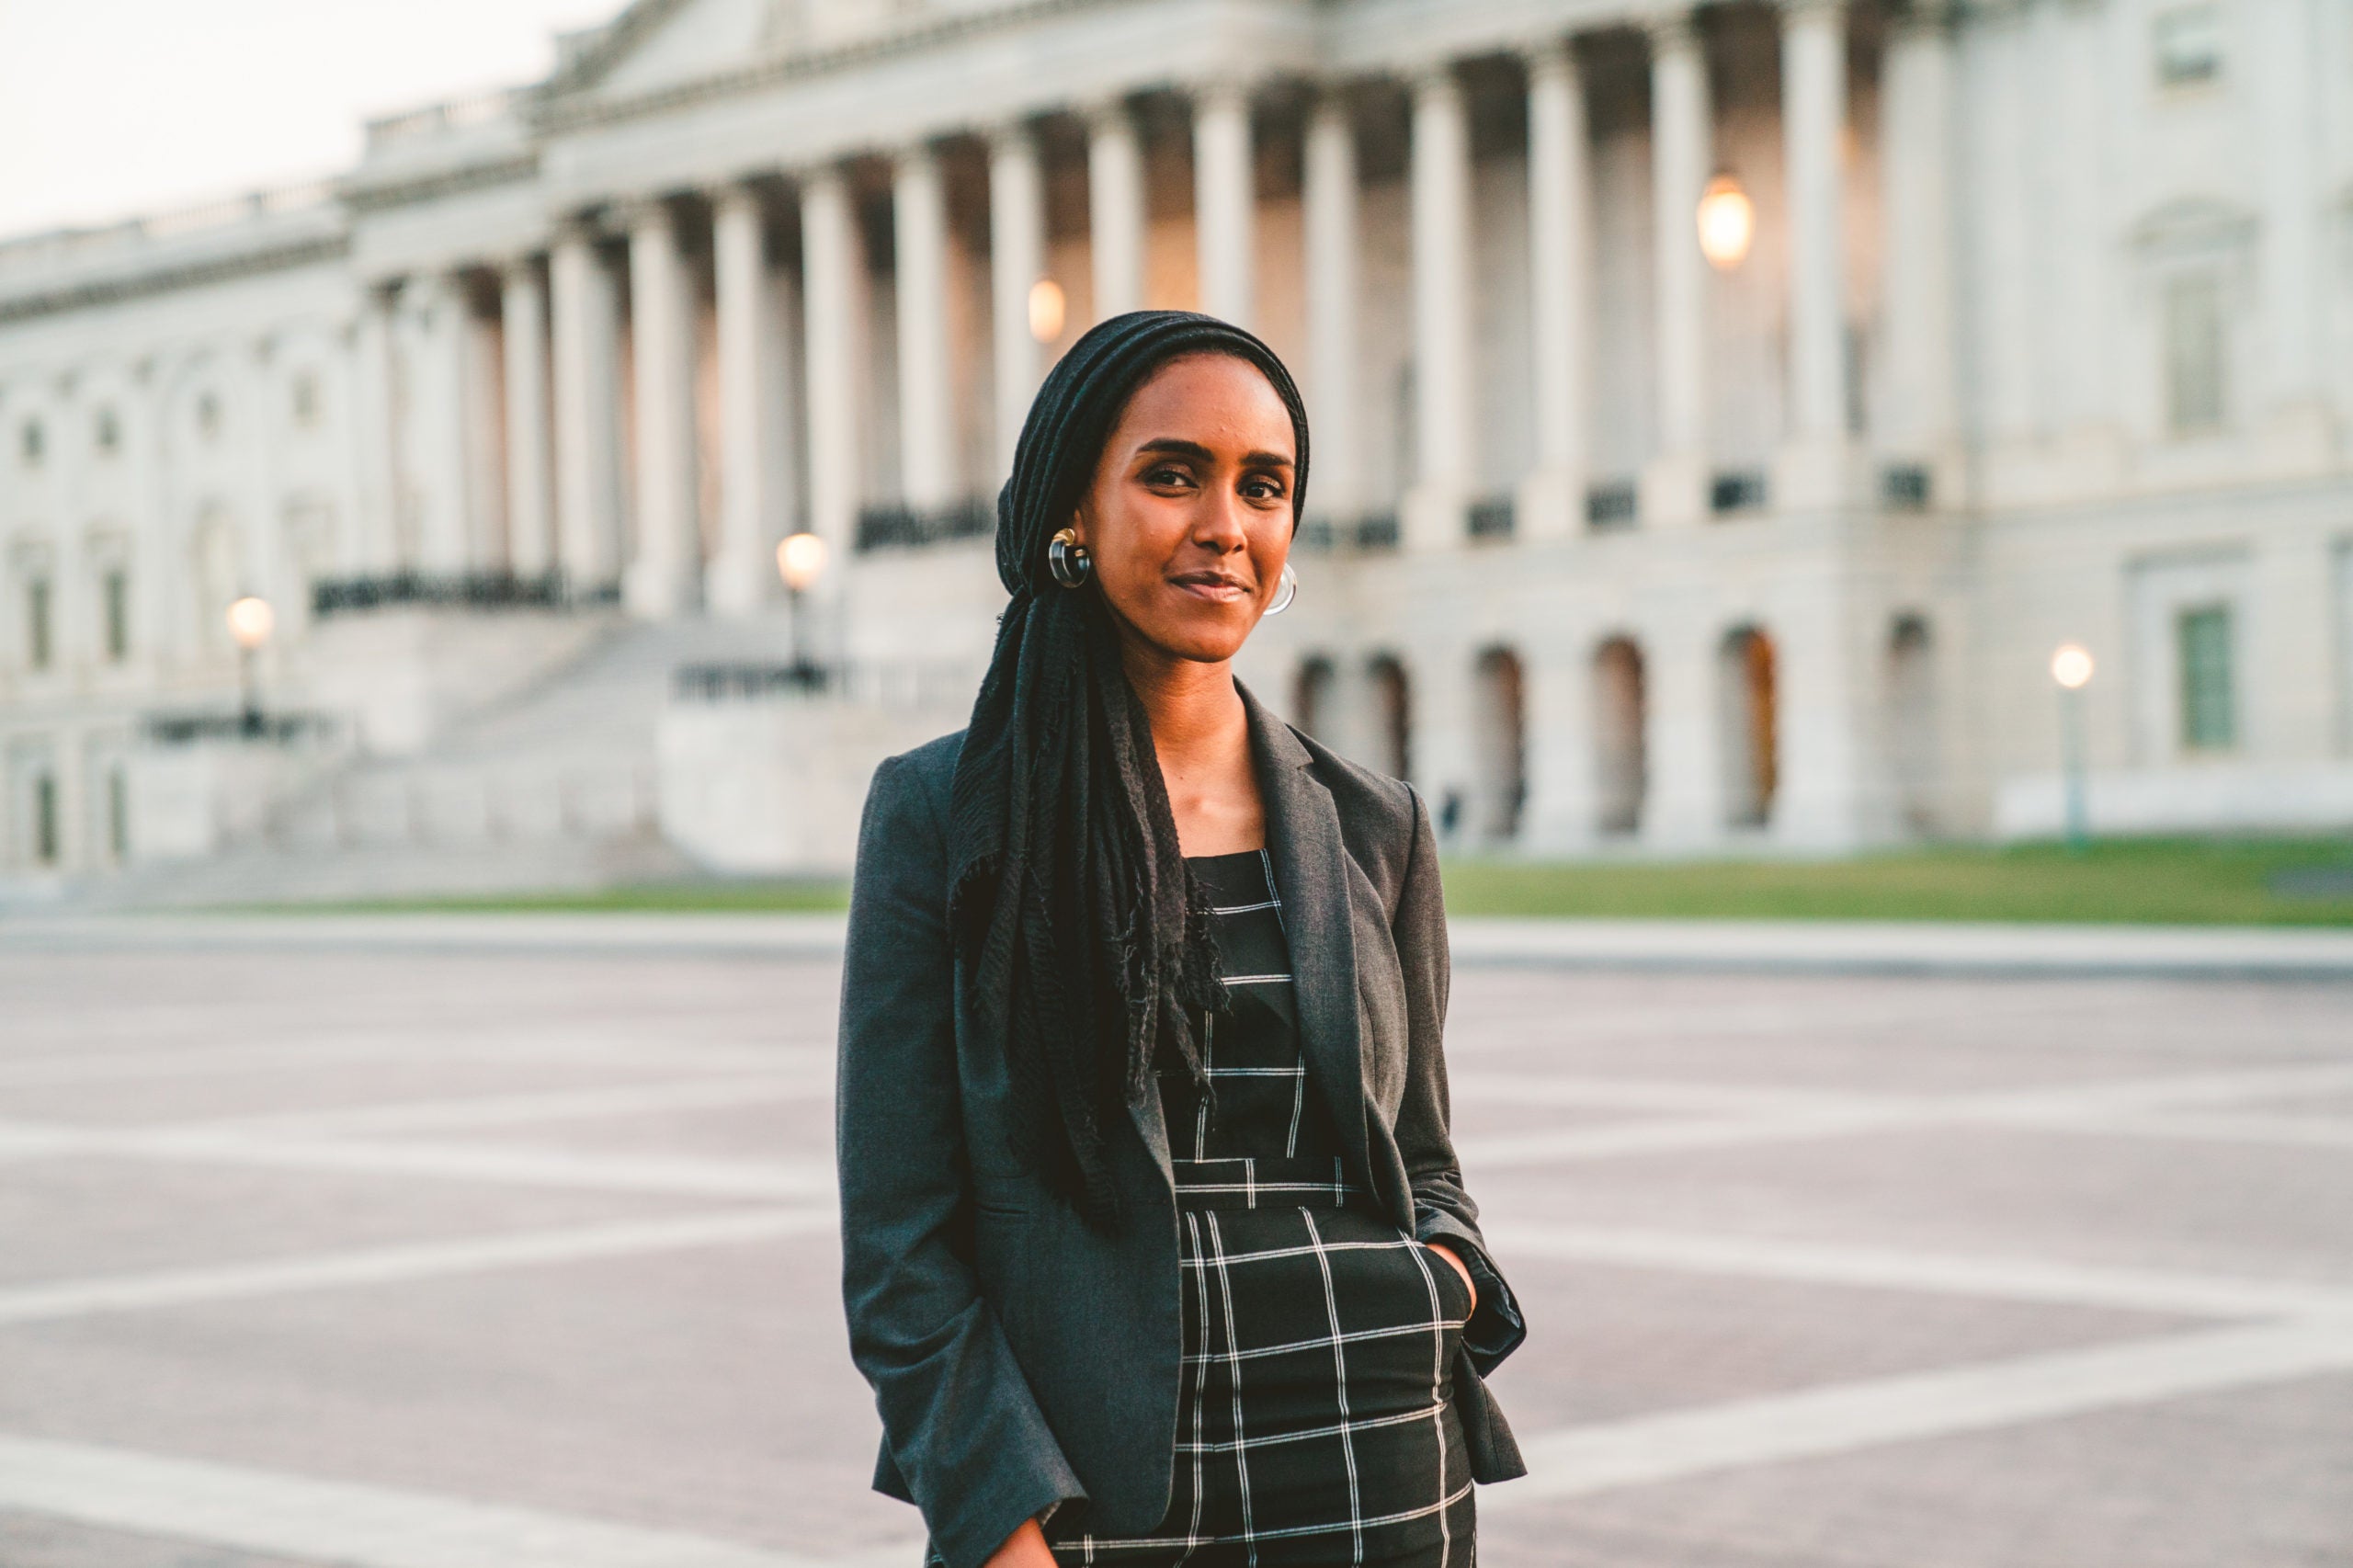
(393, 1264)
(350, 1524)
(453, 1112)
(1842, 1418)
(583, 1171)
(1818, 947)
(571, 1049)
(1891, 1268)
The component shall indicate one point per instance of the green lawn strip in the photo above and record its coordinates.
(2125, 882)
(716, 897)
(2148, 882)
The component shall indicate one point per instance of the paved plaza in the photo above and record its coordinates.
(404, 1258)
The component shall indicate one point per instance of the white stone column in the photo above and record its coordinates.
(664, 567)
(1675, 482)
(374, 452)
(1332, 240)
(1434, 510)
(1225, 201)
(1116, 217)
(530, 458)
(1812, 469)
(433, 308)
(1560, 232)
(1684, 806)
(588, 412)
(742, 575)
(1017, 261)
(1559, 815)
(1919, 401)
(927, 412)
(833, 298)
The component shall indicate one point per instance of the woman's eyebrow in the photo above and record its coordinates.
(1176, 445)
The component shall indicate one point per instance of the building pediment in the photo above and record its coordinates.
(654, 45)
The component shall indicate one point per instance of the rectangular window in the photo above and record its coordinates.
(45, 819)
(2208, 705)
(2189, 46)
(38, 637)
(2193, 329)
(118, 815)
(118, 614)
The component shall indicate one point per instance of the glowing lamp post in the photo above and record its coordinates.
(2071, 666)
(1727, 221)
(251, 620)
(801, 560)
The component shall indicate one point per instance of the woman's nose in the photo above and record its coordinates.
(1220, 523)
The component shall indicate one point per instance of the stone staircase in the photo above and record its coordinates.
(550, 789)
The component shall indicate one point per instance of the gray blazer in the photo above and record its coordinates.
(1019, 1357)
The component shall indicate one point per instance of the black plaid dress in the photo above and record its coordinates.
(1314, 1424)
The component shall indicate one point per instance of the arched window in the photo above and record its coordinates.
(1312, 693)
(1912, 722)
(1393, 706)
(1747, 686)
(1620, 716)
(1502, 737)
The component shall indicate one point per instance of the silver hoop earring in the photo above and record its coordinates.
(1286, 590)
(1067, 559)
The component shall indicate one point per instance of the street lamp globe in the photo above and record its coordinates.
(801, 560)
(251, 620)
(2071, 665)
(1048, 310)
(1727, 222)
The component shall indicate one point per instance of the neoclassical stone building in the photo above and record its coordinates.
(1722, 414)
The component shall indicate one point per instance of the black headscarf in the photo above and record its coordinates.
(1084, 934)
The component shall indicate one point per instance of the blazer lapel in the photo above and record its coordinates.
(1312, 881)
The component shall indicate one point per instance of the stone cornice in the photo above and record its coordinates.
(168, 276)
(362, 195)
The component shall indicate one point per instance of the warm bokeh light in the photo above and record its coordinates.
(800, 559)
(1727, 222)
(1046, 310)
(251, 620)
(2071, 666)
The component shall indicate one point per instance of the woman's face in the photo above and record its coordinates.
(1190, 516)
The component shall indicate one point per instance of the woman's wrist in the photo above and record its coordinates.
(1025, 1548)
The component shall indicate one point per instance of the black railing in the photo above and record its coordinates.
(1904, 487)
(1377, 531)
(1737, 489)
(717, 683)
(1613, 505)
(186, 729)
(1494, 517)
(896, 527)
(472, 590)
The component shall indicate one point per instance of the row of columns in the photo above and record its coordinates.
(562, 496)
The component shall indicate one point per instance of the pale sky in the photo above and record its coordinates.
(109, 108)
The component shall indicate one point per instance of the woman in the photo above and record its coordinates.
(1154, 1248)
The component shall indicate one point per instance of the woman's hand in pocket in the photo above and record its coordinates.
(1447, 1253)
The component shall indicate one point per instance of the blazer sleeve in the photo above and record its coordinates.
(1443, 1211)
(958, 1415)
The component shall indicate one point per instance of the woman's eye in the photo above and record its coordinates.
(1262, 490)
(1166, 476)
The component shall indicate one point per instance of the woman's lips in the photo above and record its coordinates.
(1221, 590)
